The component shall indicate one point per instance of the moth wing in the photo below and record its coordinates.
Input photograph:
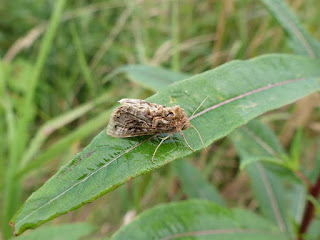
(131, 101)
(133, 118)
(138, 103)
(123, 124)
(139, 109)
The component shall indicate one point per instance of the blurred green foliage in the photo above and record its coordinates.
(94, 38)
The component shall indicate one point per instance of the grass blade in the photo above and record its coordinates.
(26, 114)
(6, 103)
(303, 43)
(82, 60)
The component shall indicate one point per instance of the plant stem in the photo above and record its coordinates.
(309, 212)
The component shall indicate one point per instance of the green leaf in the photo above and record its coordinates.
(249, 160)
(313, 175)
(198, 219)
(257, 140)
(295, 149)
(269, 190)
(237, 92)
(194, 184)
(82, 63)
(296, 197)
(74, 231)
(153, 78)
(301, 41)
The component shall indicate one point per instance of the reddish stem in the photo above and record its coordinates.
(310, 209)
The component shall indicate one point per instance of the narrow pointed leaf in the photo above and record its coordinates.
(153, 78)
(257, 140)
(313, 175)
(237, 92)
(269, 192)
(296, 197)
(198, 219)
(302, 42)
(296, 147)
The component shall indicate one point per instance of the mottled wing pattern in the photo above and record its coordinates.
(134, 118)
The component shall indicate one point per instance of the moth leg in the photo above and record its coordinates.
(199, 106)
(204, 146)
(162, 140)
(186, 141)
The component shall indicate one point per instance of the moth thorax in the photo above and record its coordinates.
(178, 112)
(181, 117)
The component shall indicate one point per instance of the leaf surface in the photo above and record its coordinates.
(153, 78)
(256, 140)
(237, 92)
(198, 219)
(74, 231)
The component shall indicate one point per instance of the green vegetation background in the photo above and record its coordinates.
(75, 89)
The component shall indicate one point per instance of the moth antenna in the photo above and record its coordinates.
(186, 141)
(199, 106)
(204, 146)
(162, 140)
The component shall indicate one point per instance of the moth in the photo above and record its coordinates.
(137, 117)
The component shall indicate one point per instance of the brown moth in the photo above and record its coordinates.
(137, 117)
